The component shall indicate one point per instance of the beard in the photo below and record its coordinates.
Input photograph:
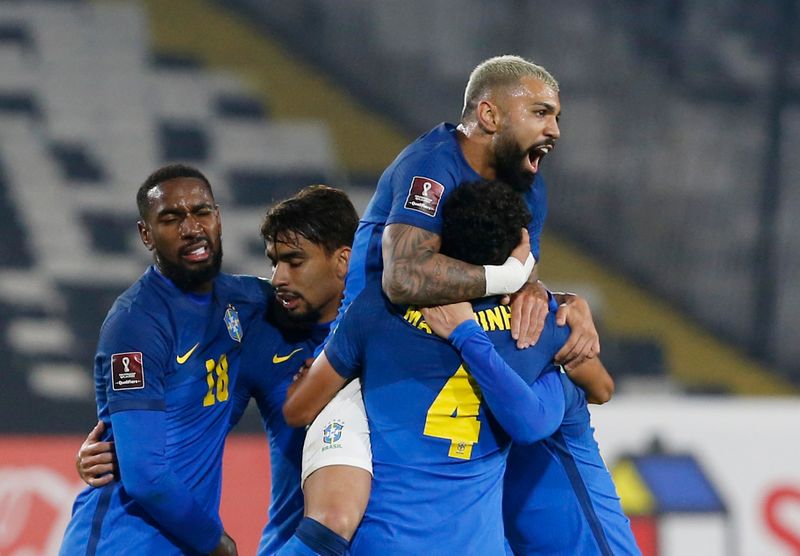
(289, 321)
(189, 279)
(508, 166)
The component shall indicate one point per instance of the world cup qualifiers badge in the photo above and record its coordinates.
(233, 324)
(424, 195)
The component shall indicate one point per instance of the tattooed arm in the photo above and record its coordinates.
(414, 272)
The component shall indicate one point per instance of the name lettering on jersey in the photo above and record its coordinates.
(233, 324)
(424, 195)
(181, 359)
(491, 319)
(127, 371)
(281, 358)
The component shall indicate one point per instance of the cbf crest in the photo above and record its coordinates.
(333, 432)
(233, 324)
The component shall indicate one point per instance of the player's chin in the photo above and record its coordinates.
(299, 314)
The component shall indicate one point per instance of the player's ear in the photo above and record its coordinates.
(146, 235)
(342, 256)
(488, 116)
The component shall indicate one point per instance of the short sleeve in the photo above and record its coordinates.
(345, 348)
(132, 359)
(419, 188)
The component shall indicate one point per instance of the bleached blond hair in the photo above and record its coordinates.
(501, 71)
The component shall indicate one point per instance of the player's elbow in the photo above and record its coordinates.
(602, 394)
(143, 483)
(295, 415)
(394, 287)
(539, 430)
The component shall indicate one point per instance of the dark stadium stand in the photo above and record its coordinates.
(87, 110)
(91, 101)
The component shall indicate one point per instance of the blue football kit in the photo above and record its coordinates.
(270, 358)
(438, 453)
(165, 369)
(412, 191)
(558, 496)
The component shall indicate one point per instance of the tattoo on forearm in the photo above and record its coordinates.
(415, 272)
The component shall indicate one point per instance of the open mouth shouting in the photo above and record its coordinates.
(535, 156)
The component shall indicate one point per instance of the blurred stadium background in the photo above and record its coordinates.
(673, 199)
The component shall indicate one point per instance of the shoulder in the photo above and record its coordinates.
(433, 155)
(244, 288)
(141, 303)
(369, 308)
(131, 323)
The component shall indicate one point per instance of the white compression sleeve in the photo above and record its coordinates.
(508, 277)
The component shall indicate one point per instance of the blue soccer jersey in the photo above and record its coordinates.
(270, 359)
(411, 191)
(572, 506)
(438, 454)
(165, 367)
(558, 496)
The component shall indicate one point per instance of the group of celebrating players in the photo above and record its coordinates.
(444, 387)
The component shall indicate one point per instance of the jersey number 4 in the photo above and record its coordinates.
(453, 415)
(220, 368)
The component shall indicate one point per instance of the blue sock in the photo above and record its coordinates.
(320, 539)
(295, 547)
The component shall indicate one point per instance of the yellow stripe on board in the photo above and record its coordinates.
(365, 143)
(694, 356)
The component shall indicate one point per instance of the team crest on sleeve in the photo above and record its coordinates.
(424, 195)
(127, 371)
(332, 433)
(233, 324)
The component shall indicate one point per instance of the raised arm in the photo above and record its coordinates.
(591, 376)
(528, 413)
(414, 272)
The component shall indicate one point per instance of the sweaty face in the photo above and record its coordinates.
(527, 132)
(308, 281)
(184, 231)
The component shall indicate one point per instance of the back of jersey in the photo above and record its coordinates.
(438, 459)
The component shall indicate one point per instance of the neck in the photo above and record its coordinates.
(201, 288)
(328, 314)
(476, 147)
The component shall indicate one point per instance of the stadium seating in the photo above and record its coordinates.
(87, 110)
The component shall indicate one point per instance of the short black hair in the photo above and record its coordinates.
(323, 215)
(164, 174)
(482, 222)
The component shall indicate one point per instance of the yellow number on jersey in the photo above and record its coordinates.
(453, 415)
(221, 381)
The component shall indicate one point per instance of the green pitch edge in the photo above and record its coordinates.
(367, 142)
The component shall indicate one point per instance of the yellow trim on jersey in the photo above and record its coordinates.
(491, 319)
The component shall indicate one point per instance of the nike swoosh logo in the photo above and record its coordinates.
(281, 358)
(181, 359)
